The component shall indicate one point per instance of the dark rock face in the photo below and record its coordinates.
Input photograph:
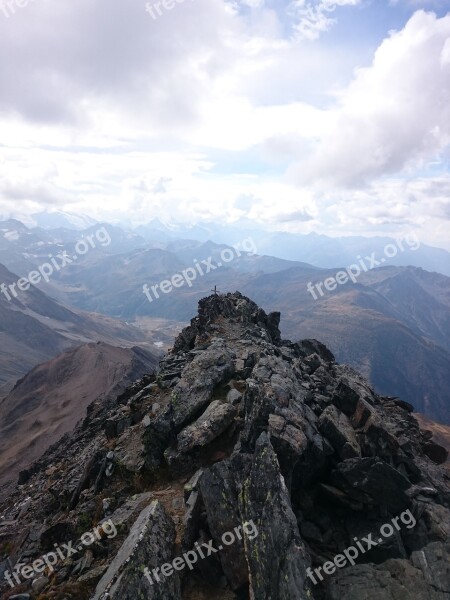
(258, 457)
(220, 492)
(373, 482)
(425, 577)
(273, 560)
(338, 430)
(150, 544)
(309, 347)
(277, 558)
(436, 453)
(61, 532)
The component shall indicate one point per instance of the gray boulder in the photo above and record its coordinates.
(336, 427)
(277, 557)
(212, 423)
(425, 577)
(150, 545)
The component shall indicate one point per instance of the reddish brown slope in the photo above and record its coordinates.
(53, 397)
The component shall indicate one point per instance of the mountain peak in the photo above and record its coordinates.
(232, 308)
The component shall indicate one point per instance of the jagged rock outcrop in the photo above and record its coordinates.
(261, 460)
(150, 544)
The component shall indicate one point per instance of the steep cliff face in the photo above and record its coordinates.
(248, 467)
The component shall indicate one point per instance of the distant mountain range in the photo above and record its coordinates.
(35, 328)
(61, 219)
(318, 250)
(392, 323)
(23, 248)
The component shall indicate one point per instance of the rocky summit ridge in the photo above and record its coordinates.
(237, 427)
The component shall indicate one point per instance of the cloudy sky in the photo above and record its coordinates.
(303, 115)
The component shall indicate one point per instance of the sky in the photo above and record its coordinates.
(303, 115)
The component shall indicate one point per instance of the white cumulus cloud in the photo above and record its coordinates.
(394, 115)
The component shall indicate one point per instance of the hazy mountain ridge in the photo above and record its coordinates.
(315, 249)
(59, 218)
(318, 250)
(422, 299)
(35, 328)
(23, 248)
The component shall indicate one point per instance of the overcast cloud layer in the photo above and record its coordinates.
(328, 116)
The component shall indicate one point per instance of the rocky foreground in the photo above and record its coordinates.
(265, 454)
